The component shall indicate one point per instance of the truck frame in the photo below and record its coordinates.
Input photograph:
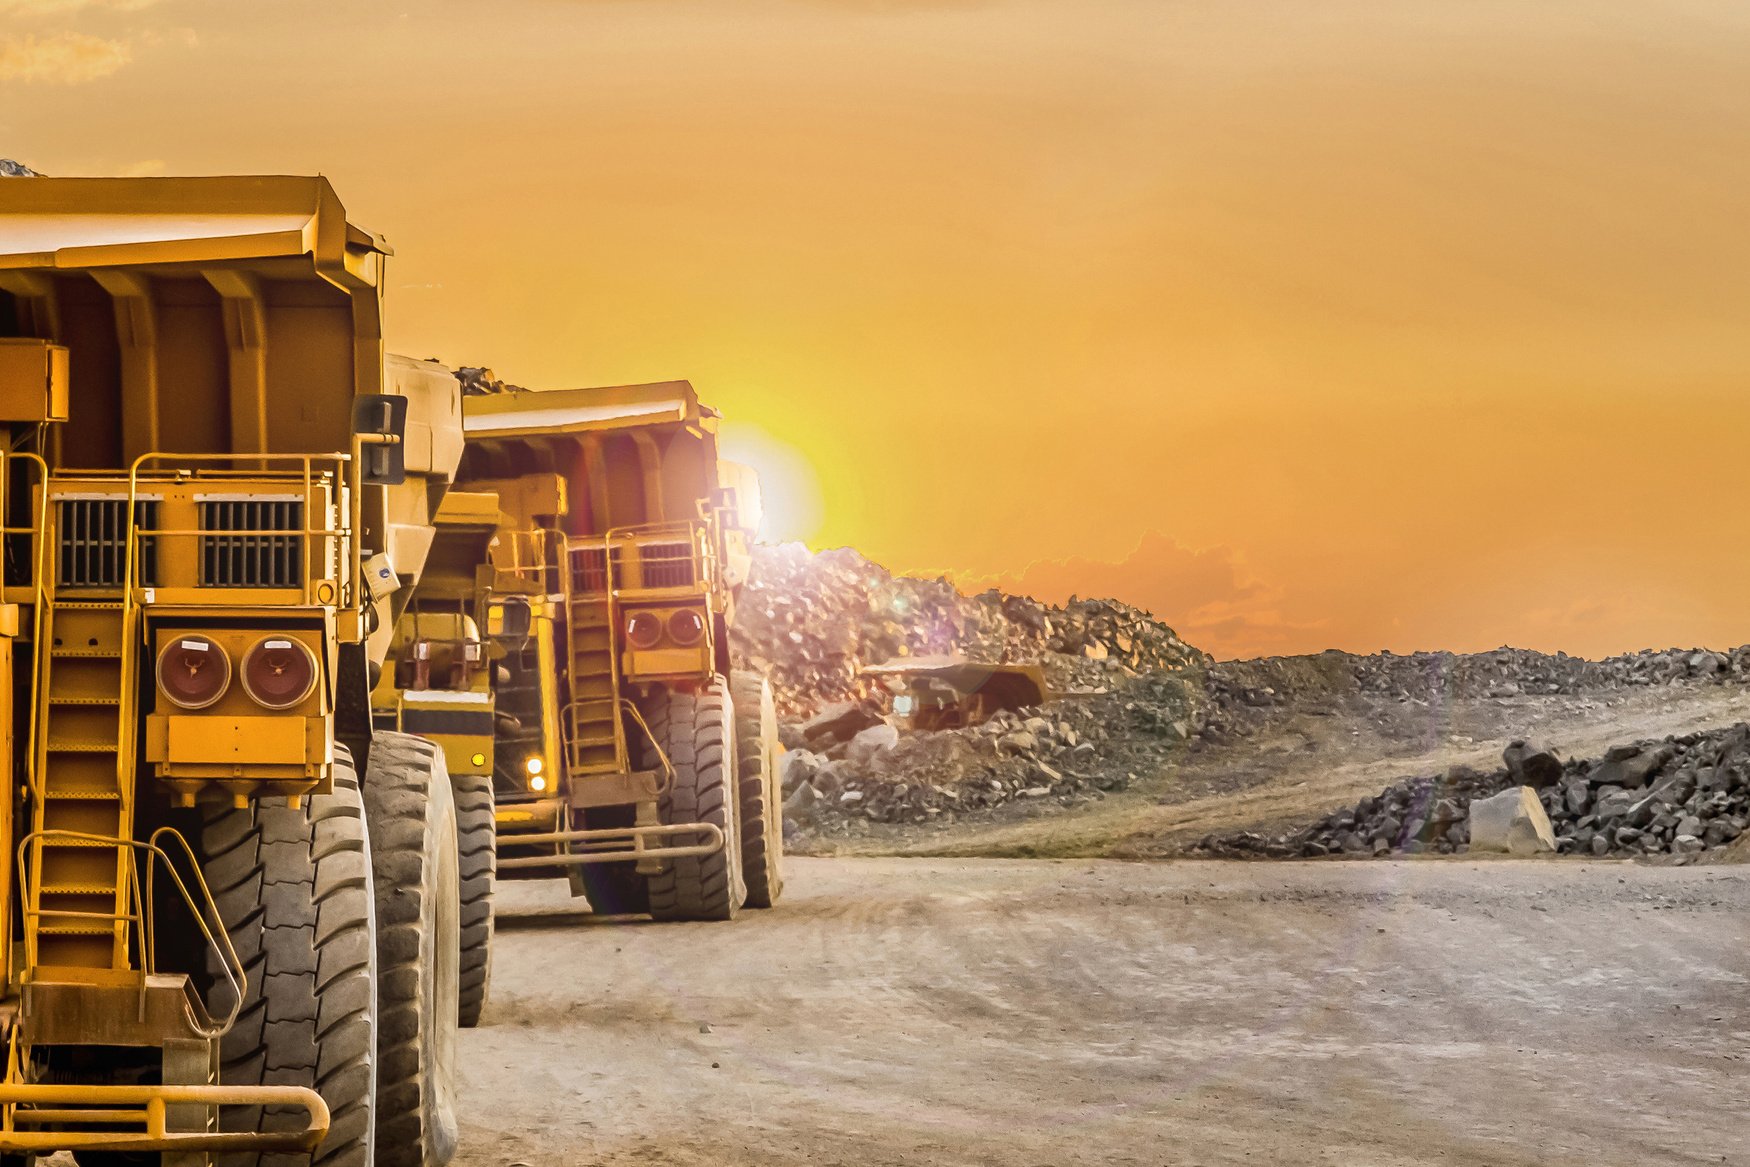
(628, 756)
(231, 921)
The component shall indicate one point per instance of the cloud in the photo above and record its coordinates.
(67, 58)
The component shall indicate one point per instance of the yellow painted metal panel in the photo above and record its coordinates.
(243, 741)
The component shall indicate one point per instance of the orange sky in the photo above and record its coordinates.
(1353, 323)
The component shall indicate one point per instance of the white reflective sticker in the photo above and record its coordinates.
(195, 645)
(276, 644)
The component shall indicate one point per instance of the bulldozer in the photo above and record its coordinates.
(232, 917)
(628, 756)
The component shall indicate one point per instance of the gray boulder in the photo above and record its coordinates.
(877, 739)
(1533, 766)
(1512, 821)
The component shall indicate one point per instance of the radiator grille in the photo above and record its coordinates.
(589, 570)
(93, 536)
(252, 559)
(667, 565)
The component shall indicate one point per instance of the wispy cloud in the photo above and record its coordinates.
(66, 58)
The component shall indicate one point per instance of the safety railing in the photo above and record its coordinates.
(322, 484)
(572, 719)
(81, 1118)
(531, 559)
(646, 557)
(615, 845)
(36, 586)
(141, 898)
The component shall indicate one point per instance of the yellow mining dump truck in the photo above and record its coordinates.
(628, 757)
(438, 684)
(231, 913)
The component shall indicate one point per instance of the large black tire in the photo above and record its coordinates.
(756, 781)
(412, 816)
(612, 889)
(698, 732)
(476, 837)
(294, 892)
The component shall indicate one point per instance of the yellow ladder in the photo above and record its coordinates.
(84, 780)
(594, 737)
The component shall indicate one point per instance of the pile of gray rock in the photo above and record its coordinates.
(1680, 797)
(813, 622)
(848, 766)
(1504, 672)
(11, 169)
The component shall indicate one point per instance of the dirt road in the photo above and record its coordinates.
(1300, 765)
(1035, 1013)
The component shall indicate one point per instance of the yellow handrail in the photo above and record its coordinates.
(141, 917)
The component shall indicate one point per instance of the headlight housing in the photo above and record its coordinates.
(279, 672)
(643, 630)
(686, 627)
(193, 671)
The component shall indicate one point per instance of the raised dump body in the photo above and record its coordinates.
(215, 494)
(627, 757)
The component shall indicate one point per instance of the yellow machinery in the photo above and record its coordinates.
(627, 756)
(438, 684)
(231, 924)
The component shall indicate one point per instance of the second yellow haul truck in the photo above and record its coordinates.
(230, 928)
(627, 755)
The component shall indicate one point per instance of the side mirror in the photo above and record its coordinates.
(379, 426)
(513, 619)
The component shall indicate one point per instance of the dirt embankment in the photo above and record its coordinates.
(1156, 728)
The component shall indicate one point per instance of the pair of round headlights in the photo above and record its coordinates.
(686, 628)
(278, 672)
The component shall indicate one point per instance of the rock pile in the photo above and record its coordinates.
(1682, 796)
(1505, 672)
(11, 169)
(847, 765)
(812, 622)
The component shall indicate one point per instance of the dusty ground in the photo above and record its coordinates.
(1300, 762)
(1045, 1013)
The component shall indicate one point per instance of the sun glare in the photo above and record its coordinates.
(789, 486)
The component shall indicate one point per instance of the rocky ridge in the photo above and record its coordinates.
(1678, 797)
(812, 622)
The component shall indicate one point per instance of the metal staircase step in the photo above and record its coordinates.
(91, 928)
(82, 795)
(81, 747)
(86, 653)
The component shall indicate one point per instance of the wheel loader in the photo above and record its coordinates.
(627, 756)
(232, 921)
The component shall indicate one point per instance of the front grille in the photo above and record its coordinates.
(589, 570)
(93, 536)
(252, 559)
(667, 565)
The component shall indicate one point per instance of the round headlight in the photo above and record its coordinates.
(193, 671)
(643, 629)
(279, 672)
(686, 626)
